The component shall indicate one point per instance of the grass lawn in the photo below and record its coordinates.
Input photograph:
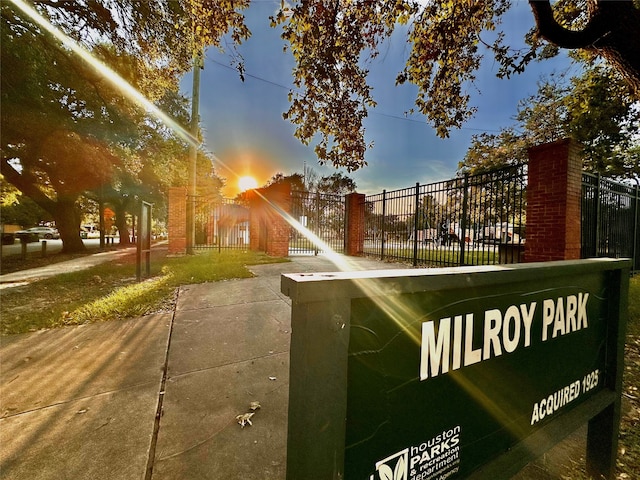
(435, 256)
(110, 291)
(629, 447)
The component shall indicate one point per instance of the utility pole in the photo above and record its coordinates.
(198, 64)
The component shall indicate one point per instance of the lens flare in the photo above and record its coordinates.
(115, 79)
(126, 88)
(247, 183)
(397, 311)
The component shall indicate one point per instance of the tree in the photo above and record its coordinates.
(17, 209)
(155, 160)
(604, 117)
(427, 212)
(68, 130)
(295, 180)
(489, 151)
(595, 108)
(161, 36)
(331, 42)
(49, 129)
(327, 40)
(336, 184)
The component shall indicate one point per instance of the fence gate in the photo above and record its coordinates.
(324, 216)
(221, 224)
(610, 219)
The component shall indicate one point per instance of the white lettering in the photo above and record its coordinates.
(511, 316)
(527, 320)
(492, 326)
(449, 343)
(456, 361)
(558, 323)
(435, 353)
(554, 402)
(572, 308)
(535, 418)
(471, 356)
(582, 310)
(548, 308)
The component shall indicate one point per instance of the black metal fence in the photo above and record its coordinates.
(220, 224)
(469, 220)
(321, 214)
(610, 219)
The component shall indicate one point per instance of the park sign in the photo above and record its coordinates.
(454, 373)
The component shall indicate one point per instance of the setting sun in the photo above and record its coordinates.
(247, 183)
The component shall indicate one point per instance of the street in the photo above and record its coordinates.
(53, 246)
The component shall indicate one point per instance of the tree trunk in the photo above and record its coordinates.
(68, 224)
(121, 222)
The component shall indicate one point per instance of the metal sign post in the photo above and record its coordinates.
(144, 240)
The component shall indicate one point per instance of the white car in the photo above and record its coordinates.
(41, 232)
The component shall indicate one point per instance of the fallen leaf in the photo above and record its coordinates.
(244, 419)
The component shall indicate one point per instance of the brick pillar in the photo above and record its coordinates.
(553, 202)
(255, 225)
(269, 231)
(354, 241)
(177, 227)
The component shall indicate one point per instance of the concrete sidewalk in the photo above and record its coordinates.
(94, 401)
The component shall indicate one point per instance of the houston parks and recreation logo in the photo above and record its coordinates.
(395, 467)
(437, 458)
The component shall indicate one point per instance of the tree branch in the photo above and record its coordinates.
(552, 31)
(613, 32)
(28, 188)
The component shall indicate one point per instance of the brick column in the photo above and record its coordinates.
(255, 226)
(553, 202)
(177, 223)
(269, 231)
(354, 219)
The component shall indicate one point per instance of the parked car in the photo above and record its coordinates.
(38, 233)
(89, 231)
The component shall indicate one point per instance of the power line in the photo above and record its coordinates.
(415, 120)
(290, 88)
(255, 77)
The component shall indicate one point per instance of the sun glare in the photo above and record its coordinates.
(247, 183)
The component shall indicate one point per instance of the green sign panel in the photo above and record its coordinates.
(473, 371)
(445, 371)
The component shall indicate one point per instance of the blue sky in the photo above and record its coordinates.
(243, 125)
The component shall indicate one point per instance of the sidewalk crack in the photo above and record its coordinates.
(161, 392)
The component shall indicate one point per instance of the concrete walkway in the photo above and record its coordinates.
(94, 401)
